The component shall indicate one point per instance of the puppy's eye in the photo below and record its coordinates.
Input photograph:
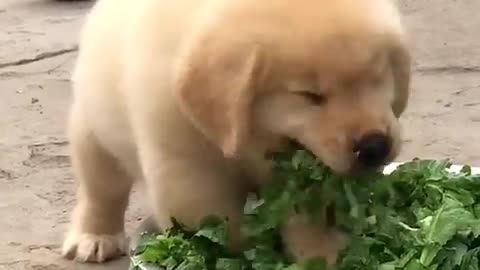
(314, 98)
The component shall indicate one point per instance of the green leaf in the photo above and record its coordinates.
(214, 229)
(406, 258)
(229, 264)
(445, 224)
(429, 253)
(470, 260)
(414, 265)
(170, 263)
(192, 263)
(460, 250)
(315, 264)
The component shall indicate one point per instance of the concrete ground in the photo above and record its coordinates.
(37, 49)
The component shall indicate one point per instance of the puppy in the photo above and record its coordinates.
(189, 95)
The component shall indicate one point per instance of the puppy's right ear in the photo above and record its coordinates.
(400, 60)
(215, 86)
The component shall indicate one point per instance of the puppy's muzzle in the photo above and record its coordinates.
(372, 150)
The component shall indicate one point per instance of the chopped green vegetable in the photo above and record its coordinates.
(419, 217)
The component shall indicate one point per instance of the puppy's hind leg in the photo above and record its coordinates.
(97, 229)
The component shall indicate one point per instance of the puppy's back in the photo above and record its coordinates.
(124, 46)
(113, 27)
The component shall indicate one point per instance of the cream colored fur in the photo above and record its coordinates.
(189, 95)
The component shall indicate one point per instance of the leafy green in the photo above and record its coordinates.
(421, 216)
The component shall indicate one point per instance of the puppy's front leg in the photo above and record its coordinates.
(305, 240)
(190, 189)
(97, 229)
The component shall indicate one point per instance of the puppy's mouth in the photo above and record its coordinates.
(284, 144)
(356, 168)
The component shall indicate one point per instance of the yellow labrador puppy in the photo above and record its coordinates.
(190, 95)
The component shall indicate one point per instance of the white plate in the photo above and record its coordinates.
(387, 170)
(454, 168)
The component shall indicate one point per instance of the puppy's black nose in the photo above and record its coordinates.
(372, 149)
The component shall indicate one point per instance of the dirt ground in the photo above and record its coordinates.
(37, 49)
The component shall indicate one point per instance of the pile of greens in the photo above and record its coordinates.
(419, 217)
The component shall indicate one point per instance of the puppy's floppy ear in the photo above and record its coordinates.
(400, 60)
(214, 87)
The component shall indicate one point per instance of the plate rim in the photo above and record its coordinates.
(455, 168)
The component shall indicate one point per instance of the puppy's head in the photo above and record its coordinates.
(333, 76)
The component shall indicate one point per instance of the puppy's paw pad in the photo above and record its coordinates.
(94, 248)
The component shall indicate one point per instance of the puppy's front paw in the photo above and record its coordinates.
(325, 245)
(305, 240)
(85, 247)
